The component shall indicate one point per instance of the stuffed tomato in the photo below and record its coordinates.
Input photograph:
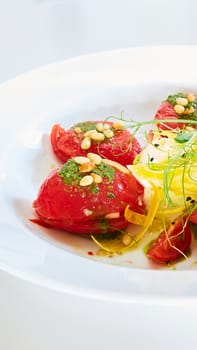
(88, 195)
(109, 140)
(176, 107)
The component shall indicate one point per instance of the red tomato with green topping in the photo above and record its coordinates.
(97, 208)
(169, 245)
(166, 111)
(122, 147)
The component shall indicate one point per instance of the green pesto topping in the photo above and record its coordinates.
(86, 126)
(111, 195)
(105, 171)
(70, 172)
(172, 98)
(103, 225)
(94, 189)
(72, 176)
(107, 236)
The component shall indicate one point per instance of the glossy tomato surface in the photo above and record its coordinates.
(122, 147)
(166, 111)
(79, 209)
(193, 217)
(169, 245)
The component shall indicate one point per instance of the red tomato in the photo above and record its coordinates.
(122, 147)
(166, 111)
(78, 209)
(169, 245)
(193, 217)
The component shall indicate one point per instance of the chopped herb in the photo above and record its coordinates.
(111, 195)
(193, 116)
(94, 188)
(103, 225)
(105, 171)
(172, 98)
(108, 235)
(85, 126)
(70, 172)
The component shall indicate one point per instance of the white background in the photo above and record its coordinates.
(37, 32)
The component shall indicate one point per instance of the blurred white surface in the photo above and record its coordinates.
(35, 318)
(38, 32)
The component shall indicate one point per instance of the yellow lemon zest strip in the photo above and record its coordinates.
(154, 203)
(113, 246)
(132, 216)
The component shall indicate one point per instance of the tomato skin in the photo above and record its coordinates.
(193, 217)
(166, 111)
(66, 144)
(63, 206)
(122, 148)
(162, 252)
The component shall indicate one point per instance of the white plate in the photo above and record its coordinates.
(134, 81)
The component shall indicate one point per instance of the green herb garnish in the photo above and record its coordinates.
(94, 189)
(172, 98)
(85, 126)
(70, 172)
(105, 171)
(111, 195)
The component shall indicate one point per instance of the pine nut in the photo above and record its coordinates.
(90, 132)
(115, 215)
(86, 181)
(182, 101)
(86, 143)
(99, 126)
(95, 158)
(106, 126)
(190, 97)
(116, 165)
(81, 160)
(97, 178)
(118, 126)
(87, 212)
(97, 136)
(189, 128)
(86, 167)
(189, 110)
(108, 133)
(179, 109)
(126, 239)
(77, 130)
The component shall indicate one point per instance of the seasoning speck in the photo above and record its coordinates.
(90, 253)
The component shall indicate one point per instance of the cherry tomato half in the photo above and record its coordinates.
(122, 147)
(97, 208)
(169, 245)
